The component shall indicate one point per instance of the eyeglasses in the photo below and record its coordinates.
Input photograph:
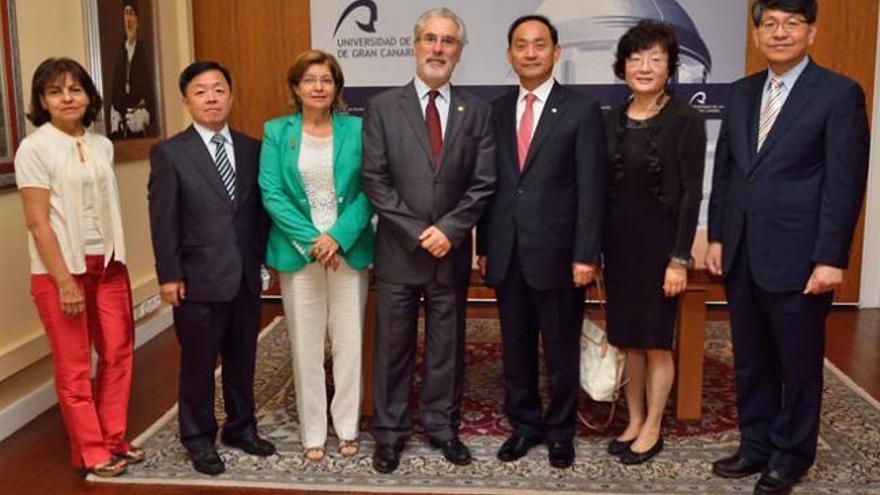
(655, 63)
(445, 41)
(311, 81)
(770, 26)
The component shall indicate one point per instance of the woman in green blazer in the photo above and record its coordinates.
(320, 242)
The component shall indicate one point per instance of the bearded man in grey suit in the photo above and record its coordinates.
(429, 171)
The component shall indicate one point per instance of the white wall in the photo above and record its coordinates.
(869, 295)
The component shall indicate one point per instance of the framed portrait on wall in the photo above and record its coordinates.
(11, 108)
(124, 61)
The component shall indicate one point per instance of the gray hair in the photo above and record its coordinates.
(446, 14)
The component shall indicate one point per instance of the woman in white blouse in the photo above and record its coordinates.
(79, 281)
(321, 242)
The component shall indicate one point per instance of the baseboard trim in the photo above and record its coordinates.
(26, 409)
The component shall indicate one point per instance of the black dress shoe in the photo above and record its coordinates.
(386, 457)
(253, 445)
(560, 453)
(515, 447)
(616, 447)
(453, 450)
(773, 482)
(631, 458)
(207, 462)
(737, 466)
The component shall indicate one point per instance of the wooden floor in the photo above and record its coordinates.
(35, 460)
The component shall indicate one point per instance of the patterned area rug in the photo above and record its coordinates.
(848, 459)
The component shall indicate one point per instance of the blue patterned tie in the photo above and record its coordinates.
(224, 167)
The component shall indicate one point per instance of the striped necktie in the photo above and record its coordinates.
(771, 109)
(224, 167)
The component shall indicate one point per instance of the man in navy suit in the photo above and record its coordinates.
(540, 240)
(790, 171)
(209, 235)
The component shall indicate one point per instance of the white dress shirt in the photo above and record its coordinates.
(541, 93)
(788, 79)
(442, 101)
(206, 135)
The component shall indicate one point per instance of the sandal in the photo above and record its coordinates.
(348, 448)
(109, 469)
(133, 455)
(315, 454)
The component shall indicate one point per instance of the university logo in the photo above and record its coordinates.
(699, 98)
(367, 27)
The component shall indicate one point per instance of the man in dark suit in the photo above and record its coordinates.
(428, 170)
(540, 241)
(789, 177)
(209, 232)
(132, 102)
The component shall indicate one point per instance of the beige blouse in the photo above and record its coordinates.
(48, 159)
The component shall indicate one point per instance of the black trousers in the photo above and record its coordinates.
(206, 330)
(779, 345)
(557, 317)
(442, 387)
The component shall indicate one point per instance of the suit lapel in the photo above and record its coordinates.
(754, 116)
(507, 131)
(798, 99)
(243, 173)
(290, 160)
(553, 110)
(457, 111)
(204, 162)
(340, 133)
(412, 111)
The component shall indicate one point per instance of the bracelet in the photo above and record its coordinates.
(685, 262)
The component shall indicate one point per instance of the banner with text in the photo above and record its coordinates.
(373, 40)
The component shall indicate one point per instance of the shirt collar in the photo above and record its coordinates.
(542, 92)
(790, 77)
(206, 134)
(61, 134)
(422, 89)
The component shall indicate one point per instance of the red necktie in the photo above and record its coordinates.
(432, 121)
(524, 135)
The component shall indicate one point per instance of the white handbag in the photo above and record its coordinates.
(601, 367)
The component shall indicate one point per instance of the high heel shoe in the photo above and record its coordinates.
(112, 468)
(133, 455)
(632, 458)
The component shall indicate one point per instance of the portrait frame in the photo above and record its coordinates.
(105, 32)
(11, 103)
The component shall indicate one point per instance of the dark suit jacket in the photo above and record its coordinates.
(200, 235)
(410, 193)
(797, 201)
(553, 209)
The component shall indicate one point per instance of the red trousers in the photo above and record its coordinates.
(94, 412)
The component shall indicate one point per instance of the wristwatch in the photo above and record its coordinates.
(685, 262)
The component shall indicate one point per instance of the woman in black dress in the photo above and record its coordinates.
(657, 148)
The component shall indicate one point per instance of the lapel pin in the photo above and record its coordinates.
(460, 108)
(553, 109)
(292, 143)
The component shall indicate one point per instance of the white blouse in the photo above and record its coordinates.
(316, 170)
(50, 159)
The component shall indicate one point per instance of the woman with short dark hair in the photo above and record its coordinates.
(658, 148)
(79, 281)
(320, 242)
